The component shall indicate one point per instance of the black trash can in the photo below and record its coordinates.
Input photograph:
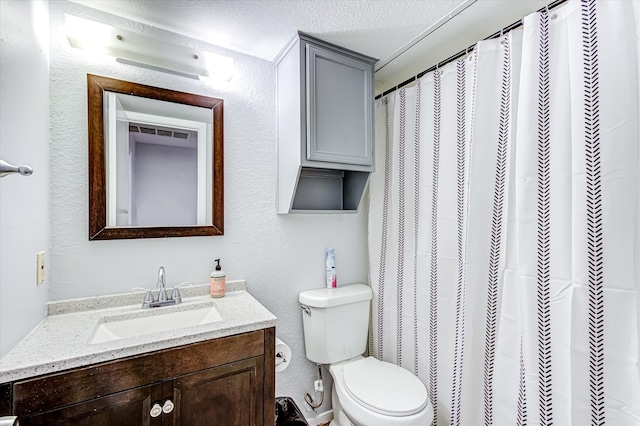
(288, 413)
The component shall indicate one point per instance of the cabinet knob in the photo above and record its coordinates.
(156, 410)
(167, 407)
(9, 421)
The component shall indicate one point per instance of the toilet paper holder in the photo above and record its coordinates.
(283, 355)
(280, 358)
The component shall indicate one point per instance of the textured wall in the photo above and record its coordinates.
(24, 136)
(279, 256)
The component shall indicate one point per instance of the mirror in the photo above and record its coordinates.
(155, 162)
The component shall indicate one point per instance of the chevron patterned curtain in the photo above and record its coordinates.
(504, 227)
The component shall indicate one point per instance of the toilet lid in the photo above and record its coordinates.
(384, 388)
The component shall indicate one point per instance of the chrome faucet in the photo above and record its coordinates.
(163, 299)
(162, 294)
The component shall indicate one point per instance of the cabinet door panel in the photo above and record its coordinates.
(229, 395)
(339, 107)
(128, 408)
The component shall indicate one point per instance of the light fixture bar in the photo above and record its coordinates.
(147, 52)
(155, 68)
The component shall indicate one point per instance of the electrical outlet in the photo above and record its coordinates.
(40, 265)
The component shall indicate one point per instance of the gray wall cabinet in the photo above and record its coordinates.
(325, 127)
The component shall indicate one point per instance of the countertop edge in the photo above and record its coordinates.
(116, 354)
(14, 368)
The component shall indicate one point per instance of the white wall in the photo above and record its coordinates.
(24, 136)
(279, 256)
(165, 183)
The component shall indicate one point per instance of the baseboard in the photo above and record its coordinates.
(321, 418)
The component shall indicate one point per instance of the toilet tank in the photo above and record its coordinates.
(335, 322)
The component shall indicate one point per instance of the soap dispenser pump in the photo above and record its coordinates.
(218, 284)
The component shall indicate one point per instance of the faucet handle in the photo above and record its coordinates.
(148, 297)
(175, 294)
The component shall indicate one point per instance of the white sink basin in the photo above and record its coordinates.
(155, 321)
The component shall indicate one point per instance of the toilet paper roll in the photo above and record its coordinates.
(283, 355)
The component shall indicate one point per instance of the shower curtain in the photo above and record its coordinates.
(504, 225)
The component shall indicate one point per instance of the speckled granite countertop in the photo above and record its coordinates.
(62, 340)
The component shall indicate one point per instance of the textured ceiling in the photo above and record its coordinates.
(262, 28)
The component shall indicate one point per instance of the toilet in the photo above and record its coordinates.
(366, 391)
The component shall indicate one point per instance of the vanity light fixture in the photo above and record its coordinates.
(136, 49)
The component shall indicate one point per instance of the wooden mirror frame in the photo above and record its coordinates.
(98, 230)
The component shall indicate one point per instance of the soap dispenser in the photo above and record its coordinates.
(218, 284)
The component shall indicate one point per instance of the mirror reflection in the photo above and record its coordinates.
(155, 161)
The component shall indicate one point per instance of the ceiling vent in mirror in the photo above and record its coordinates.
(162, 131)
(180, 135)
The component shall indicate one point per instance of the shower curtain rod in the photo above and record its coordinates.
(461, 53)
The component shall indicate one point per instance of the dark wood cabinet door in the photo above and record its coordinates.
(228, 395)
(127, 408)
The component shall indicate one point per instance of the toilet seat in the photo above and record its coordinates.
(384, 388)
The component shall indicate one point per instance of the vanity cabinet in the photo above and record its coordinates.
(228, 381)
(325, 126)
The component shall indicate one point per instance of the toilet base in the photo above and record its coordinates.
(339, 417)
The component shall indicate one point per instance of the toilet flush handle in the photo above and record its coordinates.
(306, 310)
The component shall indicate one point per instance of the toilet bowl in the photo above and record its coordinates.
(368, 392)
